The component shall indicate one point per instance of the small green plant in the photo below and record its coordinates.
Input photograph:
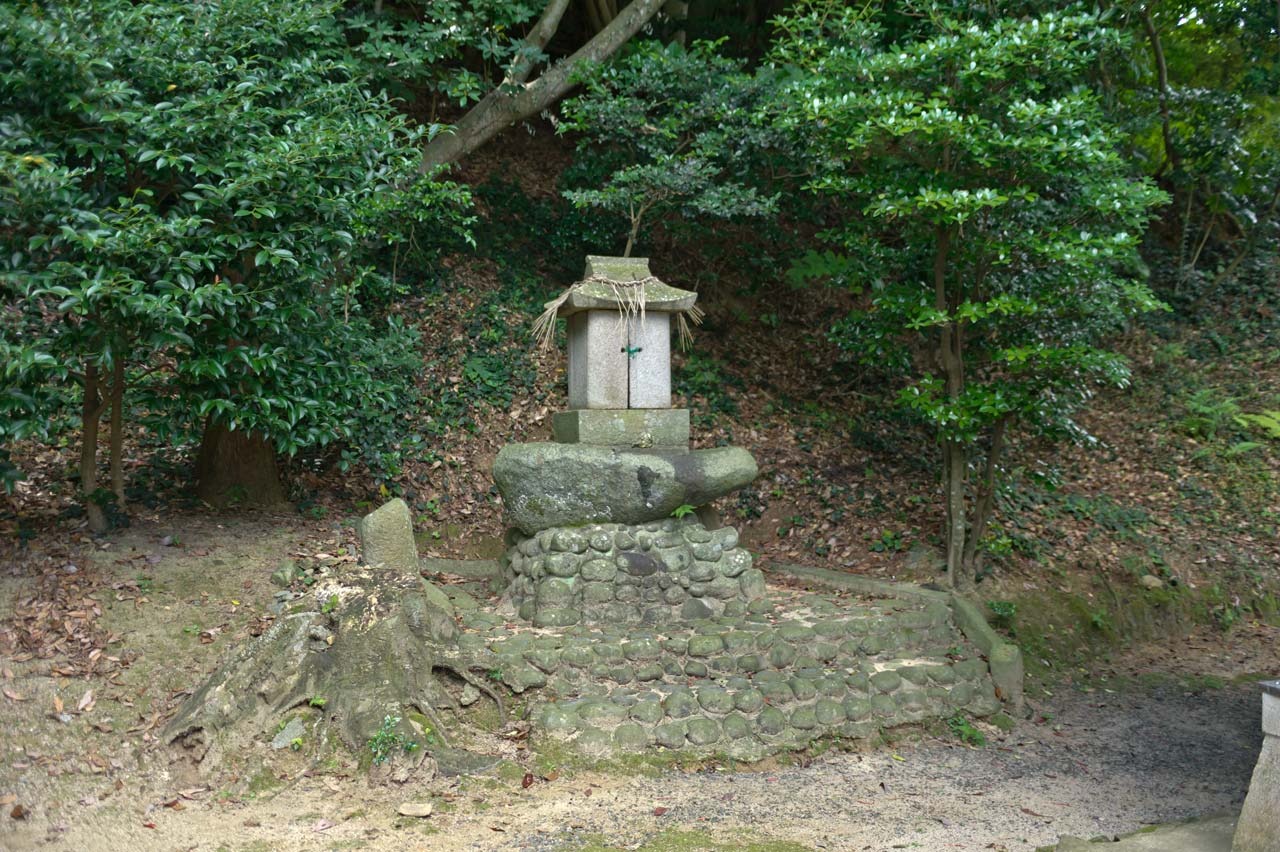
(1004, 614)
(1268, 422)
(387, 740)
(317, 702)
(890, 541)
(1099, 620)
(964, 731)
(145, 584)
(1208, 413)
(683, 510)
(296, 743)
(330, 605)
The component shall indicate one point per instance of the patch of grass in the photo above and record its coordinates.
(1003, 615)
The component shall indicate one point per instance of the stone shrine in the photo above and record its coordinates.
(619, 324)
(597, 540)
(637, 626)
(621, 621)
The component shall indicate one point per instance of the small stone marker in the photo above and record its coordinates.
(386, 537)
(1259, 827)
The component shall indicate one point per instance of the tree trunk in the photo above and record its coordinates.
(502, 108)
(91, 411)
(117, 432)
(1171, 157)
(237, 468)
(955, 463)
(955, 457)
(984, 503)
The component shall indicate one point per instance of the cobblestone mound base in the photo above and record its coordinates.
(651, 573)
(760, 677)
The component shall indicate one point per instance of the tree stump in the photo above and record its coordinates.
(370, 656)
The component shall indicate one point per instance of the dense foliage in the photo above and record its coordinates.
(200, 201)
(998, 223)
(227, 212)
(680, 129)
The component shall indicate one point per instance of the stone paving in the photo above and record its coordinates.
(764, 675)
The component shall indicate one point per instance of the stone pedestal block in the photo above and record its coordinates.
(546, 485)
(662, 428)
(1259, 827)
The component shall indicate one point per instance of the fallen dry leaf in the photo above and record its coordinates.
(659, 811)
(12, 696)
(19, 812)
(86, 701)
(527, 781)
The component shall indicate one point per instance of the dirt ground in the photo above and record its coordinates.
(1163, 732)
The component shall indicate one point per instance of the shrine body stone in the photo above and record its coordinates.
(619, 352)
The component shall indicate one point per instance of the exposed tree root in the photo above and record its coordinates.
(368, 655)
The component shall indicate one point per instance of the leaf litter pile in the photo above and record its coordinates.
(58, 619)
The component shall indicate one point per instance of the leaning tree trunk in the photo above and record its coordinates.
(516, 100)
(367, 663)
(235, 467)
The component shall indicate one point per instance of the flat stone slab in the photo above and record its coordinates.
(666, 428)
(472, 569)
(547, 485)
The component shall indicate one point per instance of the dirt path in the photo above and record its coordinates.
(1103, 764)
(1134, 749)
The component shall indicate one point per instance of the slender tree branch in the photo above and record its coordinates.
(537, 39)
(1171, 157)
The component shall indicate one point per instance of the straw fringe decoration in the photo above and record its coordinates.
(631, 299)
